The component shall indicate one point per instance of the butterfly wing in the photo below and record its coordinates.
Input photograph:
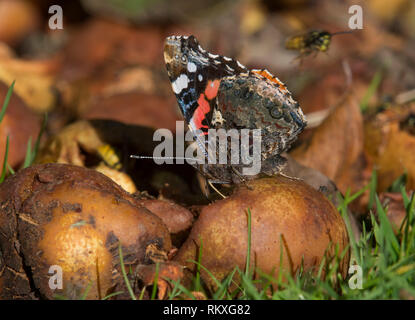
(195, 75)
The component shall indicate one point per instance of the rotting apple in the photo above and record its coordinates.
(286, 214)
(74, 218)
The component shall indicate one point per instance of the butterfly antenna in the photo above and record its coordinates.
(159, 158)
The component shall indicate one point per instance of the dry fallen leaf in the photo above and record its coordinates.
(73, 145)
(19, 123)
(34, 80)
(390, 144)
(336, 147)
(164, 272)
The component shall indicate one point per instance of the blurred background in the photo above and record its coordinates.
(107, 63)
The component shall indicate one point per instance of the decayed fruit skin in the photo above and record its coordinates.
(281, 208)
(73, 217)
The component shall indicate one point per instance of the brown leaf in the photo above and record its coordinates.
(19, 123)
(169, 270)
(336, 146)
(35, 80)
(390, 144)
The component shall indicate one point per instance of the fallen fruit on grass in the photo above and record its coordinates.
(62, 218)
(286, 214)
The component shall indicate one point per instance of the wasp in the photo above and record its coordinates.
(110, 156)
(312, 41)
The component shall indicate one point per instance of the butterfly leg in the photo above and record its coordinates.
(210, 182)
(289, 177)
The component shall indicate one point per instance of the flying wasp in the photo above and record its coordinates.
(312, 41)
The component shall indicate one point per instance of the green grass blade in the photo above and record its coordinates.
(10, 169)
(248, 251)
(124, 274)
(409, 233)
(6, 154)
(249, 287)
(210, 274)
(37, 143)
(113, 295)
(197, 284)
(141, 297)
(6, 101)
(31, 154)
(223, 289)
(399, 182)
(345, 215)
(391, 242)
(371, 90)
(373, 186)
(88, 288)
(28, 158)
(178, 285)
(155, 282)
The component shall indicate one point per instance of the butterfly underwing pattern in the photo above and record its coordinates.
(217, 92)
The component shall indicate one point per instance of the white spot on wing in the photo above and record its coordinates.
(201, 49)
(214, 56)
(227, 58)
(191, 67)
(240, 65)
(200, 77)
(180, 83)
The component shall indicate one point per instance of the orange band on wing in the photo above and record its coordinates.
(269, 76)
(200, 113)
(212, 89)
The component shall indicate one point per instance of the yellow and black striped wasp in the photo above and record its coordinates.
(312, 41)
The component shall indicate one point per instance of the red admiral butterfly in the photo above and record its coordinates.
(217, 92)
